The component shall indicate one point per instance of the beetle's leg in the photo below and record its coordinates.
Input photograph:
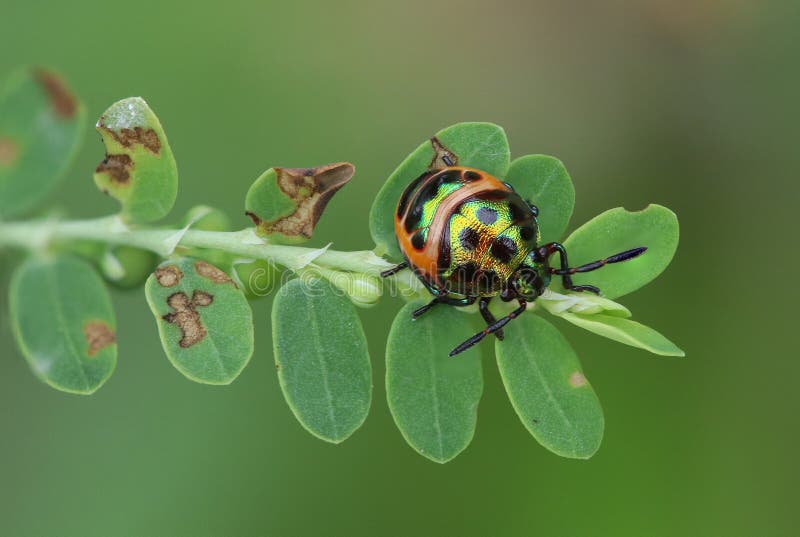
(566, 271)
(443, 299)
(483, 306)
(491, 329)
(394, 270)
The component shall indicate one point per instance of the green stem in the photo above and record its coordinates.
(37, 234)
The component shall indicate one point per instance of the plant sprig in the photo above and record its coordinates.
(198, 277)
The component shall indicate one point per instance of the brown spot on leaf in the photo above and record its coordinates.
(168, 276)
(137, 135)
(209, 271)
(311, 189)
(9, 151)
(576, 380)
(186, 317)
(441, 154)
(118, 168)
(62, 100)
(254, 217)
(98, 336)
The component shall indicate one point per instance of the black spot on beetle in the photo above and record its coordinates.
(526, 233)
(418, 240)
(410, 189)
(470, 176)
(469, 238)
(518, 211)
(503, 249)
(487, 216)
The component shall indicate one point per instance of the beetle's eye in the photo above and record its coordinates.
(534, 209)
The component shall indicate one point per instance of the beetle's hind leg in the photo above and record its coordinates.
(491, 329)
(483, 306)
(394, 270)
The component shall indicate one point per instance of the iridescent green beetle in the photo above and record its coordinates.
(469, 236)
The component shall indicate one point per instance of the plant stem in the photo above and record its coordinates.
(38, 234)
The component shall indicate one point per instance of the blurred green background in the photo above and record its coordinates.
(692, 105)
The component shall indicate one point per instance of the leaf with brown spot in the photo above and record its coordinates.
(64, 323)
(41, 127)
(139, 169)
(98, 336)
(547, 388)
(286, 203)
(209, 271)
(204, 321)
(168, 275)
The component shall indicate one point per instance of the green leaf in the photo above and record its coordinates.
(286, 203)
(548, 389)
(625, 331)
(477, 145)
(433, 397)
(615, 231)
(322, 359)
(41, 127)
(556, 304)
(139, 169)
(127, 267)
(544, 181)
(64, 323)
(205, 218)
(204, 320)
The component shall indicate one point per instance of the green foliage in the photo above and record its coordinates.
(625, 331)
(41, 127)
(64, 323)
(618, 230)
(478, 145)
(65, 326)
(286, 203)
(204, 320)
(139, 169)
(433, 398)
(544, 181)
(547, 388)
(322, 359)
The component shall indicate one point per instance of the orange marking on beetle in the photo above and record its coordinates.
(425, 261)
(98, 336)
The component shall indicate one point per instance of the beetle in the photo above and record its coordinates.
(470, 237)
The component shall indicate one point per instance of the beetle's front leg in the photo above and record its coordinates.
(444, 299)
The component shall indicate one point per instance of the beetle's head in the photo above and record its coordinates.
(530, 279)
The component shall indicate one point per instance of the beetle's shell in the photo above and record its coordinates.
(463, 231)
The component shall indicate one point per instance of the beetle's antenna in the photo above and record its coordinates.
(594, 265)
